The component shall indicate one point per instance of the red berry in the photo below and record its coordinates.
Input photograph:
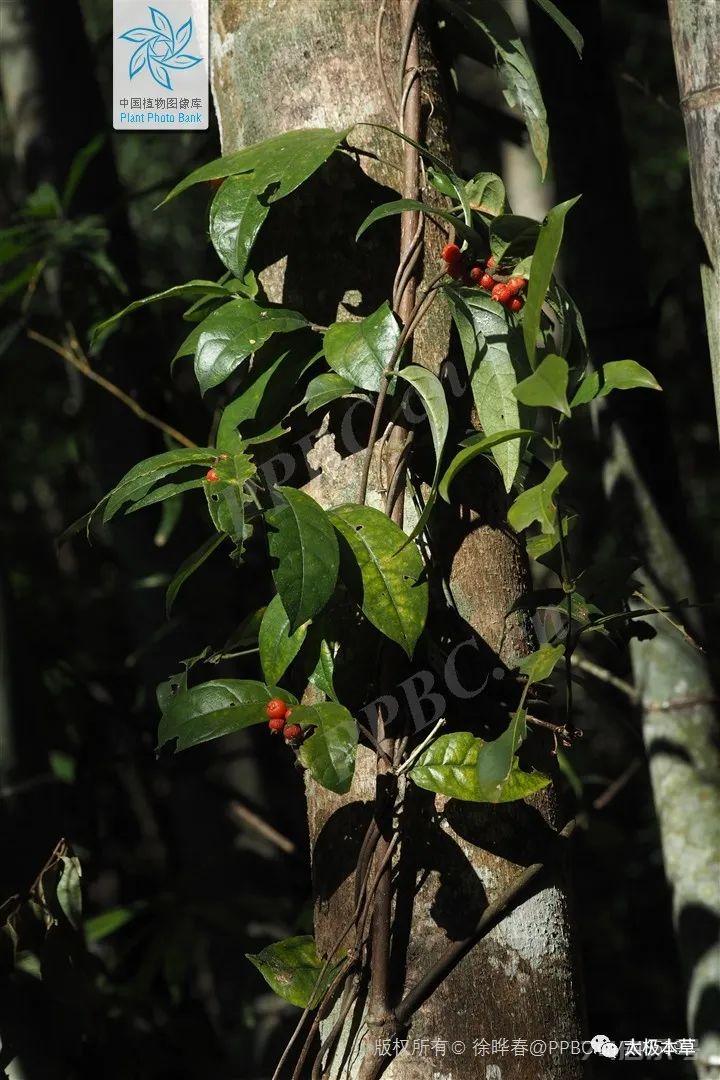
(491, 262)
(476, 274)
(211, 476)
(500, 293)
(276, 724)
(450, 253)
(515, 304)
(292, 731)
(276, 709)
(487, 282)
(516, 284)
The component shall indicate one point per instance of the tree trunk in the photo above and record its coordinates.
(678, 703)
(695, 26)
(312, 65)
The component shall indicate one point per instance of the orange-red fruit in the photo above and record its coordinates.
(211, 476)
(487, 282)
(491, 262)
(276, 709)
(276, 724)
(476, 274)
(450, 253)
(500, 293)
(292, 731)
(516, 284)
(515, 304)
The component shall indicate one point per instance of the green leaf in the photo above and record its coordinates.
(278, 647)
(488, 19)
(547, 385)
(543, 543)
(305, 545)
(486, 194)
(236, 216)
(108, 922)
(233, 333)
(323, 673)
(394, 598)
(480, 446)
(215, 708)
(627, 375)
(137, 482)
(543, 262)
(79, 166)
(513, 236)
(325, 388)
(490, 346)
(191, 290)
(191, 564)
(361, 351)
(399, 206)
(570, 31)
(536, 504)
(431, 392)
(449, 767)
(228, 496)
(587, 390)
(163, 493)
(69, 891)
(540, 664)
(285, 160)
(292, 968)
(329, 753)
(499, 777)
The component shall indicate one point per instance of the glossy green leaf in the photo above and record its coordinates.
(587, 390)
(431, 392)
(543, 263)
(324, 389)
(513, 236)
(394, 598)
(361, 351)
(547, 386)
(449, 767)
(303, 541)
(163, 493)
(568, 28)
(188, 568)
(284, 161)
(278, 647)
(626, 375)
(482, 445)
(540, 664)
(215, 708)
(486, 194)
(399, 206)
(292, 968)
(236, 216)
(537, 503)
(543, 543)
(191, 290)
(233, 333)
(498, 776)
(490, 345)
(137, 482)
(323, 673)
(329, 753)
(490, 20)
(228, 496)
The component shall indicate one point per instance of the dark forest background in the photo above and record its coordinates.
(178, 881)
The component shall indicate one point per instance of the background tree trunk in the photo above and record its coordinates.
(313, 65)
(679, 715)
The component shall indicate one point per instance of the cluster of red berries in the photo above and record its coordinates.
(278, 713)
(503, 288)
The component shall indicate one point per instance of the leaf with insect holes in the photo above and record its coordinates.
(303, 541)
(537, 503)
(393, 596)
(547, 386)
(498, 775)
(215, 708)
(278, 647)
(361, 351)
(294, 971)
(329, 753)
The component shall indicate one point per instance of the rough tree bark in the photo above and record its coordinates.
(679, 707)
(312, 64)
(695, 26)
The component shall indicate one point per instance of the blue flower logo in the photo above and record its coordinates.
(160, 49)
